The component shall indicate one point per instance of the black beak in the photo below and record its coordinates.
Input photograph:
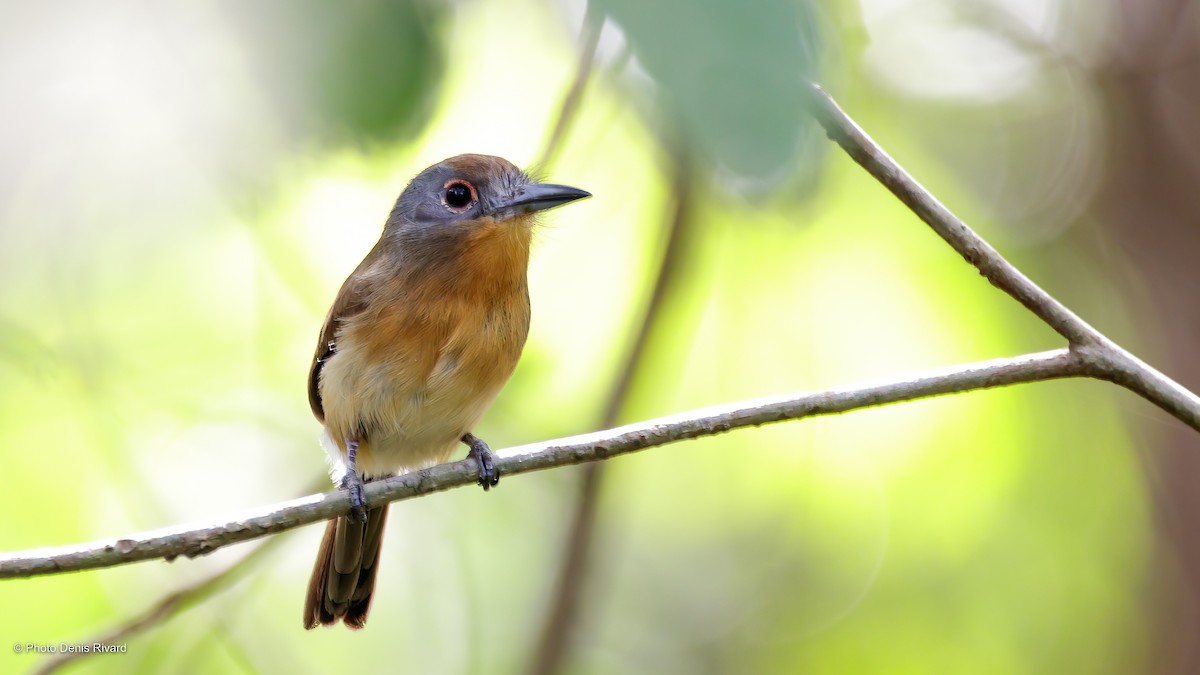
(539, 197)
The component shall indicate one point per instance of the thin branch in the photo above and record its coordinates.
(863, 149)
(559, 622)
(593, 23)
(1110, 360)
(192, 541)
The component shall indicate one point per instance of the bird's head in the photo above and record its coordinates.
(458, 197)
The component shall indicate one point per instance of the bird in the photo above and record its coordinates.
(419, 340)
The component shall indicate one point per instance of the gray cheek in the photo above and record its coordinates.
(433, 214)
(427, 213)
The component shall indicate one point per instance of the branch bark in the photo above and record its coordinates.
(196, 540)
(1108, 359)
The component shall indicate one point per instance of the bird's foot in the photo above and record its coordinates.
(353, 484)
(489, 473)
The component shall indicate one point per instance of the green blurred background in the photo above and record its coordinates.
(183, 186)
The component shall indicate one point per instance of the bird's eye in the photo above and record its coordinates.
(459, 195)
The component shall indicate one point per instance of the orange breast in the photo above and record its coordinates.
(420, 368)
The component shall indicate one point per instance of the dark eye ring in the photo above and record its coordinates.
(459, 195)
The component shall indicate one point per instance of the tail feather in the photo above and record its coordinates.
(343, 576)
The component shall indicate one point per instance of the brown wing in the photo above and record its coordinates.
(350, 300)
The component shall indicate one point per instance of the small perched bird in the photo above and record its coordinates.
(420, 339)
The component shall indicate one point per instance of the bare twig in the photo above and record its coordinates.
(559, 622)
(1108, 360)
(191, 541)
(593, 23)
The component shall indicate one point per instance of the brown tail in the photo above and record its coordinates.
(344, 574)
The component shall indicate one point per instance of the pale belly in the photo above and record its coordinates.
(405, 414)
